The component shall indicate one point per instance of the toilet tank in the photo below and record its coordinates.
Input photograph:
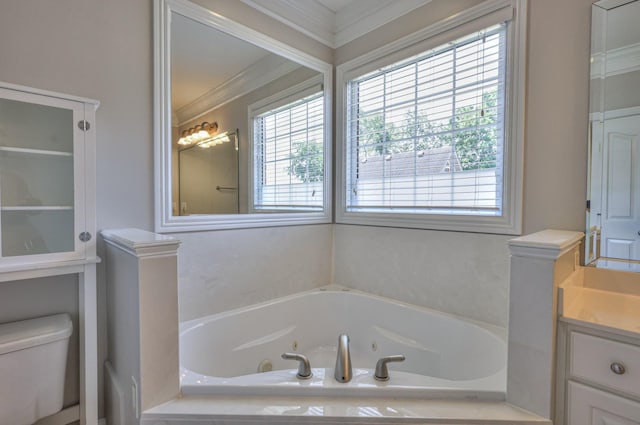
(33, 359)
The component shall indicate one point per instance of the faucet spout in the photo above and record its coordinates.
(343, 371)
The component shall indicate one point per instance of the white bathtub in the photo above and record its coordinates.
(446, 356)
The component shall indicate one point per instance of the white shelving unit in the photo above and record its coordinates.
(47, 205)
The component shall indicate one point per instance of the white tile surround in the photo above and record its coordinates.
(460, 273)
(226, 269)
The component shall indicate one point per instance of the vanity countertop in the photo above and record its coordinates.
(611, 311)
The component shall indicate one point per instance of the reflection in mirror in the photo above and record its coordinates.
(613, 209)
(218, 76)
(208, 175)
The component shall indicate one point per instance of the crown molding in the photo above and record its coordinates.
(310, 18)
(615, 61)
(335, 29)
(266, 70)
(353, 22)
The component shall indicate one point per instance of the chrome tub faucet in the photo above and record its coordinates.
(304, 368)
(382, 372)
(343, 370)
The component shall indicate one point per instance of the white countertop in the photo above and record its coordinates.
(606, 310)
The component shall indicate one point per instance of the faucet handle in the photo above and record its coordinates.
(304, 368)
(382, 372)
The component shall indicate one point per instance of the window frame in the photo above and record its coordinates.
(276, 101)
(473, 19)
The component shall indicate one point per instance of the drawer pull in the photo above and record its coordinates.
(618, 368)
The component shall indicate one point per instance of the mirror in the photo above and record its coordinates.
(243, 125)
(613, 207)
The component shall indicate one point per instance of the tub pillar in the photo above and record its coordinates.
(142, 369)
(539, 262)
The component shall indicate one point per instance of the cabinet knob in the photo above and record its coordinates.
(618, 368)
(84, 236)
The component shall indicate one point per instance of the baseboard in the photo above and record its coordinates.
(114, 397)
(63, 417)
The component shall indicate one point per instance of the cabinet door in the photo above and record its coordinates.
(41, 178)
(588, 406)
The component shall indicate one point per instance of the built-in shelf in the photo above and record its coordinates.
(35, 151)
(38, 208)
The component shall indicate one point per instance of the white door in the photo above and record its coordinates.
(621, 189)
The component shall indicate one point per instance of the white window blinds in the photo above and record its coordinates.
(288, 156)
(426, 135)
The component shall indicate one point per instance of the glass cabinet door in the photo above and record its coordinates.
(41, 189)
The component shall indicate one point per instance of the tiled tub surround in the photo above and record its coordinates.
(465, 274)
(223, 270)
(222, 354)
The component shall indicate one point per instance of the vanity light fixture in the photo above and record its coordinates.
(198, 133)
(215, 140)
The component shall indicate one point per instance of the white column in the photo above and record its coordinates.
(142, 287)
(539, 262)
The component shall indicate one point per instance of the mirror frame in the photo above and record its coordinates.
(165, 221)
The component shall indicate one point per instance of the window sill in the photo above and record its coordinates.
(500, 225)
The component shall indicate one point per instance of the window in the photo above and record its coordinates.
(288, 153)
(430, 138)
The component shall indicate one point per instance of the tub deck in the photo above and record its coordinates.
(323, 411)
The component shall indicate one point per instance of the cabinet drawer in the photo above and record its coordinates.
(592, 359)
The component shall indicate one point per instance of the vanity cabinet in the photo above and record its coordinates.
(599, 377)
(47, 208)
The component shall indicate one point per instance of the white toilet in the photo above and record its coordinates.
(33, 359)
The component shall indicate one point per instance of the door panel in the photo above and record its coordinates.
(620, 186)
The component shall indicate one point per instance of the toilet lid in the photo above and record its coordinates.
(32, 332)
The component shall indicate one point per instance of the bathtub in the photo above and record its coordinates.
(239, 352)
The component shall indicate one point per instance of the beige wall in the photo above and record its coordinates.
(556, 116)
